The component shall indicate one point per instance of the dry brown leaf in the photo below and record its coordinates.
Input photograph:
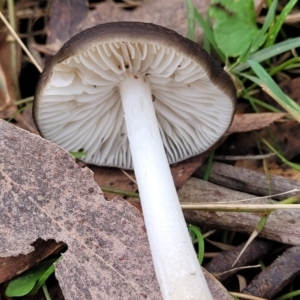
(169, 13)
(25, 121)
(12, 266)
(281, 170)
(249, 122)
(65, 17)
(182, 171)
(114, 179)
(8, 112)
(44, 194)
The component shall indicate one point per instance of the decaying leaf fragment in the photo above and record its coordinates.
(44, 194)
(249, 122)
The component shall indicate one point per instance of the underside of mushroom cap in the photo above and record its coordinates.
(78, 102)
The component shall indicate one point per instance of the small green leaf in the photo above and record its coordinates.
(41, 281)
(23, 284)
(235, 26)
(78, 154)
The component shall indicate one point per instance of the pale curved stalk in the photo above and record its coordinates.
(176, 265)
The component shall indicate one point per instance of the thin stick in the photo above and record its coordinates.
(244, 157)
(261, 197)
(130, 177)
(244, 296)
(14, 34)
(239, 207)
(14, 49)
(237, 269)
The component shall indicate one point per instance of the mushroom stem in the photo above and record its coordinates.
(177, 268)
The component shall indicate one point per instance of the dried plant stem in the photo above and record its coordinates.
(13, 49)
(239, 207)
(14, 34)
(243, 157)
(244, 296)
(127, 175)
(119, 192)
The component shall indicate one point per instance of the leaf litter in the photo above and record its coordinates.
(243, 123)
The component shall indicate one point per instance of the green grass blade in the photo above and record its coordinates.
(289, 295)
(269, 52)
(283, 159)
(272, 89)
(209, 34)
(268, 21)
(46, 292)
(41, 281)
(261, 103)
(195, 230)
(270, 16)
(274, 30)
(208, 167)
(206, 42)
(191, 19)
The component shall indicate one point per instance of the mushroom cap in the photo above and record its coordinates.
(78, 104)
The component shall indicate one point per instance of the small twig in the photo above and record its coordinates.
(14, 34)
(261, 197)
(237, 269)
(129, 176)
(209, 233)
(14, 49)
(25, 100)
(244, 296)
(263, 208)
(244, 157)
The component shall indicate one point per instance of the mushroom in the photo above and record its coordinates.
(138, 95)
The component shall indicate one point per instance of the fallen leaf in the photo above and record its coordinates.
(182, 171)
(66, 15)
(281, 170)
(7, 112)
(169, 13)
(249, 122)
(114, 179)
(25, 120)
(44, 194)
(12, 266)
